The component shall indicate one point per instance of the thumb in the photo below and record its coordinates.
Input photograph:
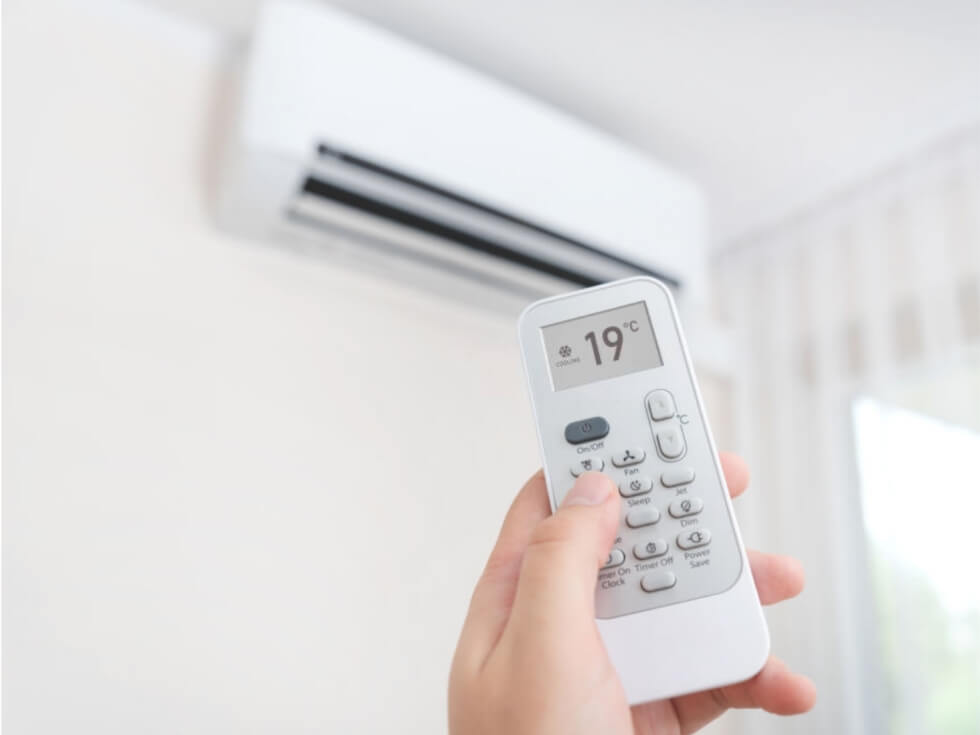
(556, 589)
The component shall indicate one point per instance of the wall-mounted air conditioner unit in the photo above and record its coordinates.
(373, 147)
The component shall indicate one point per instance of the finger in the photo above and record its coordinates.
(556, 589)
(736, 473)
(494, 593)
(777, 577)
(530, 507)
(774, 689)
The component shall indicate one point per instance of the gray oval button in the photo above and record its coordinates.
(677, 476)
(686, 507)
(650, 549)
(615, 558)
(693, 539)
(660, 404)
(656, 581)
(642, 517)
(629, 456)
(670, 443)
(587, 464)
(586, 430)
(635, 486)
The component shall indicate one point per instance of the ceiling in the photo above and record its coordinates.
(773, 107)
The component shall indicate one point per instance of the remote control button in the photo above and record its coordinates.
(635, 486)
(615, 558)
(642, 517)
(650, 549)
(686, 507)
(660, 404)
(587, 464)
(693, 539)
(629, 456)
(670, 442)
(677, 476)
(656, 581)
(586, 430)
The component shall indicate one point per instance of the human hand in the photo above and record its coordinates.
(530, 660)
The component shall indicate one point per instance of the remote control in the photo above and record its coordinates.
(613, 390)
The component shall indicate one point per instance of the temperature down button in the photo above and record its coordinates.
(670, 443)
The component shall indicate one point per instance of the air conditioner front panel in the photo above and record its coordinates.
(322, 90)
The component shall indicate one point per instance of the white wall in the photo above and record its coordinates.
(244, 491)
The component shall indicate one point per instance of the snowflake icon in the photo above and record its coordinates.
(565, 351)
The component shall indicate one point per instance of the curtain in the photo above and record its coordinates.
(839, 302)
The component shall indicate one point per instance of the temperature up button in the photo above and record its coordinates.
(660, 404)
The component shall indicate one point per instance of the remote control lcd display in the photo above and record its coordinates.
(603, 345)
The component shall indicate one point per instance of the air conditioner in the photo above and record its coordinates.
(355, 142)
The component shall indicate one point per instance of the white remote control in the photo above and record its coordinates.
(613, 390)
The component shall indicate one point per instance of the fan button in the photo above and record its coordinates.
(628, 456)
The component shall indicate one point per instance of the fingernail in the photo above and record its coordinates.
(591, 488)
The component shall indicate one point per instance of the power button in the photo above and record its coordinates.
(586, 430)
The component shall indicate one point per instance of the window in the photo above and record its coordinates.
(920, 484)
